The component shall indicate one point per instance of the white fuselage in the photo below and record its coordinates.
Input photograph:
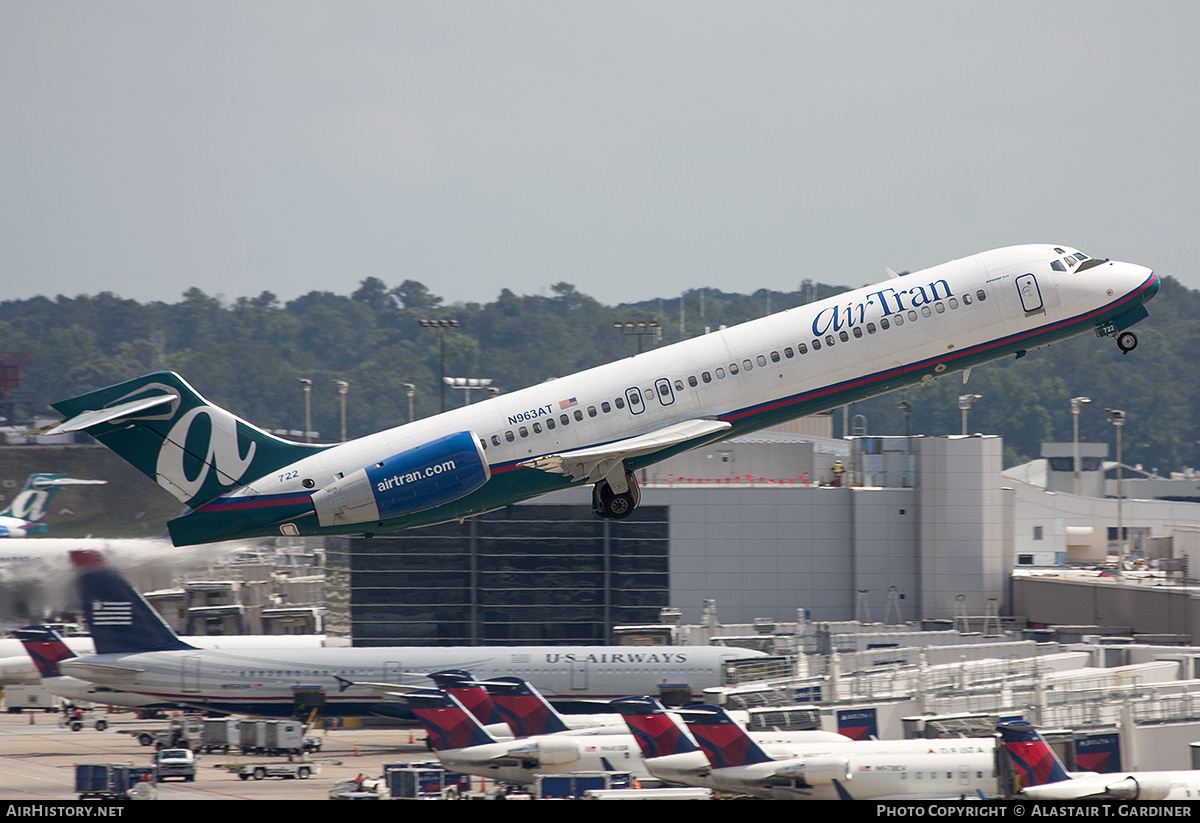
(1174, 785)
(867, 770)
(806, 359)
(522, 761)
(265, 681)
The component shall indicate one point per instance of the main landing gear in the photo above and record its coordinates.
(607, 502)
(1127, 341)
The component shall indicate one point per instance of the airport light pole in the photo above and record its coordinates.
(441, 328)
(466, 384)
(1077, 403)
(342, 387)
(965, 401)
(307, 384)
(410, 390)
(1117, 418)
(639, 328)
(906, 407)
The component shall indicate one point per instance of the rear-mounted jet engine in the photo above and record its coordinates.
(421, 478)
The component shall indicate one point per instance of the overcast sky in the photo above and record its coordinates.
(634, 149)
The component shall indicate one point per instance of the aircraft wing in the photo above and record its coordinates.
(595, 462)
(388, 691)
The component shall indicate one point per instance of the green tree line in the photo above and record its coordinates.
(247, 355)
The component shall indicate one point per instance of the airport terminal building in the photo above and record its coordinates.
(934, 531)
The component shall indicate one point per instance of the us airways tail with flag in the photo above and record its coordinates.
(120, 619)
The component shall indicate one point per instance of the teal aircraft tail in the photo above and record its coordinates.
(168, 432)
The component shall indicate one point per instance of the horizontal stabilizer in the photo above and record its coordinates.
(76, 667)
(87, 419)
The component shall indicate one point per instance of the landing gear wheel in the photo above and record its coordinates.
(1127, 341)
(608, 504)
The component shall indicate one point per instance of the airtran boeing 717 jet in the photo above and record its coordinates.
(599, 426)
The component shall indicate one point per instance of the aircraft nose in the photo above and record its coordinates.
(1135, 281)
(1151, 288)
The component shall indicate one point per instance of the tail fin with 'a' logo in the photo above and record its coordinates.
(168, 432)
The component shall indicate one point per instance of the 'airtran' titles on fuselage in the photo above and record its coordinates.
(890, 300)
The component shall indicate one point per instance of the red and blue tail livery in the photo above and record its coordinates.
(723, 740)
(45, 648)
(1031, 755)
(470, 693)
(657, 732)
(523, 708)
(447, 722)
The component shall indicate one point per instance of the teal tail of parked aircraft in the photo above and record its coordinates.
(21, 517)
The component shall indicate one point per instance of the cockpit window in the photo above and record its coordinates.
(1069, 260)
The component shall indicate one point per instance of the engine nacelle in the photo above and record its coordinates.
(552, 751)
(817, 770)
(415, 480)
(1148, 786)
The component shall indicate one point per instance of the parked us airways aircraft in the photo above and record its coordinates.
(138, 653)
(600, 425)
(21, 518)
(1044, 777)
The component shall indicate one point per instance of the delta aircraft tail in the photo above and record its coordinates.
(447, 722)
(523, 707)
(723, 740)
(471, 694)
(121, 620)
(45, 648)
(1031, 755)
(658, 732)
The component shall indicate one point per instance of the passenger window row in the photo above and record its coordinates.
(885, 323)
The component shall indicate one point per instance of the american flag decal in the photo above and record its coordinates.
(568, 403)
(112, 613)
